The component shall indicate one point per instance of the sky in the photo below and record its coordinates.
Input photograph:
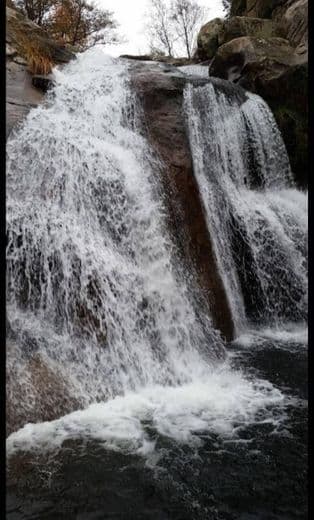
(130, 14)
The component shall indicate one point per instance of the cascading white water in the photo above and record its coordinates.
(257, 219)
(195, 70)
(93, 285)
(90, 277)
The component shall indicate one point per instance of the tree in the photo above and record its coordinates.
(35, 10)
(76, 22)
(187, 16)
(227, 6)
(161, 27)
(174, 26)
(81, 24)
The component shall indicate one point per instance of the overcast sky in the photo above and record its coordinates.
(130, 14)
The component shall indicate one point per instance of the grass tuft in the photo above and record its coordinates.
(31, 45)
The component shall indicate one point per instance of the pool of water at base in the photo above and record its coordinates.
(262, 475)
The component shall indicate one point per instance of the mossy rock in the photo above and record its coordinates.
(33, 43)
(255, 8)
(238, 26)
(208, 39)
(265, 56)
(293, 22)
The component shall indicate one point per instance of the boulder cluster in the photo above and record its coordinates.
(263, 46)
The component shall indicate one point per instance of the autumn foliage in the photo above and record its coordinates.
(76, 22)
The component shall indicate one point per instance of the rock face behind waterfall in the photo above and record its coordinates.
(161, 92)
(263, 47)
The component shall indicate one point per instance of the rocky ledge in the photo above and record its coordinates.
(30, 56)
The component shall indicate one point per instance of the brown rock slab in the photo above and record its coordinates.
(21, 96)
(162, 98)
(35, 392)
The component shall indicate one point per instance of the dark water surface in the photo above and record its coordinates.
(262, 475)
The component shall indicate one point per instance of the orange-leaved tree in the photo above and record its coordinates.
(76, 22)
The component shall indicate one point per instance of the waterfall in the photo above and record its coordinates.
(257, 219)
(91, 280)
(94, 286)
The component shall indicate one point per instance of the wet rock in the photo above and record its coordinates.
(162, 97)
(21, 96)
(42, 82)
(48, 393)
(237, 7)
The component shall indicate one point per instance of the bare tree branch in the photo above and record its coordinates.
(187, 16)
(160, 28)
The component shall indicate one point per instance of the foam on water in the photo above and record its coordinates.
(195, 70)
(220, 404)
(290, 335)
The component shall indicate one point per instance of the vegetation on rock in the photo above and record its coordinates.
(33, 43)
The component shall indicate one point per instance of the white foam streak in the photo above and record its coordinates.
(129, 423)
(195, 70)
(286, 337)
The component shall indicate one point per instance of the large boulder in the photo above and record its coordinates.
(21, 96)
(277, 72)
(238, 26)
(293, 22)
(272, 55)
(217, 32)
(208, 39)
(291, 14)
(255, 8)
(262, 8)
